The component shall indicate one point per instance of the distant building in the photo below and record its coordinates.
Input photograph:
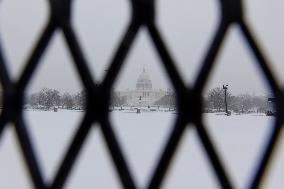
(144, 94)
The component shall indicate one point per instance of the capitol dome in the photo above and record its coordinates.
(144, 82)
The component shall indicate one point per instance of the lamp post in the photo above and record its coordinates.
(138, 109)
(225, 87)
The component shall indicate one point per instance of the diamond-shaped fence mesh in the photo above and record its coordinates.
(189, 98)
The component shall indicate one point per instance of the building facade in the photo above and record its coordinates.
(144, 94)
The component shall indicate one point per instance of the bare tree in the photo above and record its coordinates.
(67, 101)
(243, 103)
(45, 98)
(247, 103)
(216, 98)
(80, 100)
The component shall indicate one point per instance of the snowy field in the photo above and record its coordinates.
(239, 139)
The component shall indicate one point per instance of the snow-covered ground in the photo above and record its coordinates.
(239, 139)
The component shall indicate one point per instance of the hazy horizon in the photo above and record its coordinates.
(185, 28)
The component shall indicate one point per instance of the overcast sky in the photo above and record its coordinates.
(187, 27)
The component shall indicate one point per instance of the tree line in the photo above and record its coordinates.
(50, 98)
(212, 102)
(243, 103)
(166, 101)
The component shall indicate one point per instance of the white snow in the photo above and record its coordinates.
(238, 139)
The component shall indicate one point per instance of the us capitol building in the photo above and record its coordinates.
(144, 94)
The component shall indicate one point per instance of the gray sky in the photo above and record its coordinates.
(100, 24)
